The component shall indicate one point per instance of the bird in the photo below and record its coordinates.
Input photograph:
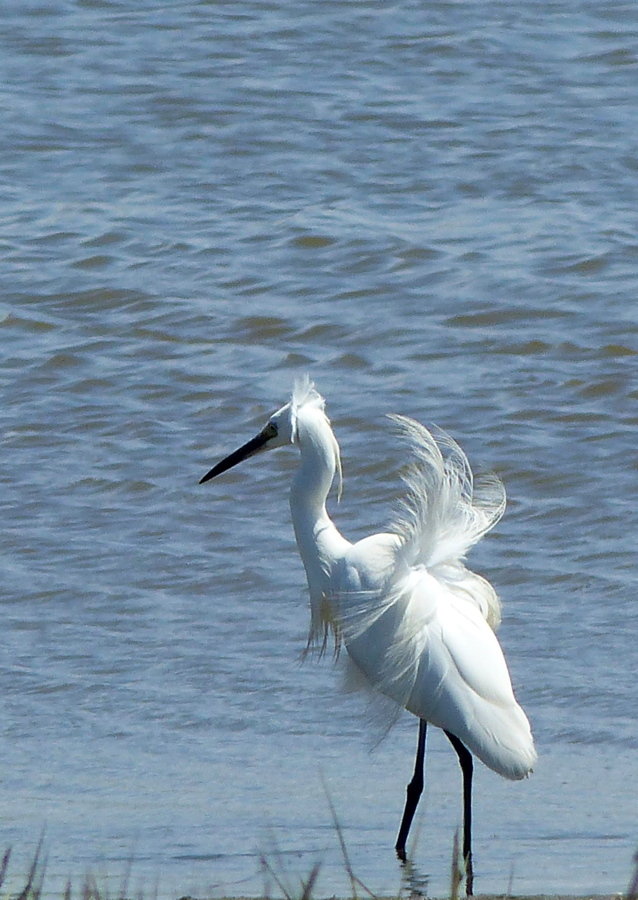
(417, 624)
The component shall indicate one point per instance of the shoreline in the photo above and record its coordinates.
(619, 895)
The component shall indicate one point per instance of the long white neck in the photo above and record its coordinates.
(320, 543)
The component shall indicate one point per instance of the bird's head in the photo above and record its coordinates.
(280, 430)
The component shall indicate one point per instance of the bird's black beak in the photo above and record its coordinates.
(254, 445)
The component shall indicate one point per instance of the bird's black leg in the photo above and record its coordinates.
(414, 791)
(467, 766)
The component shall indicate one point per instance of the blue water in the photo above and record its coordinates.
(432, 209)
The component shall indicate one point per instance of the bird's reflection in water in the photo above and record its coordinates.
(414, 882)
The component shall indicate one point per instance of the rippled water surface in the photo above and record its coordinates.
(430, 207)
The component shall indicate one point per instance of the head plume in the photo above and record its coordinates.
(305, 396)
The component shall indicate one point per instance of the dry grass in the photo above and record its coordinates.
(33, 883)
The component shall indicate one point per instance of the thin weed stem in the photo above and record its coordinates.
(632, 890)
(455, 873)
(354, 881)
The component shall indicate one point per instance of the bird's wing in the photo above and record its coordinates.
(429, 651)
(461, 682)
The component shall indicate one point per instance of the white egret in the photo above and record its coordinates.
(417, 624)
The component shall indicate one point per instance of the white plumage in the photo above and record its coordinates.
(416, 622)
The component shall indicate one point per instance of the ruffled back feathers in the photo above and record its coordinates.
(445, 512)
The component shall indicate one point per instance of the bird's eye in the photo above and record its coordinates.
(270, 431)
